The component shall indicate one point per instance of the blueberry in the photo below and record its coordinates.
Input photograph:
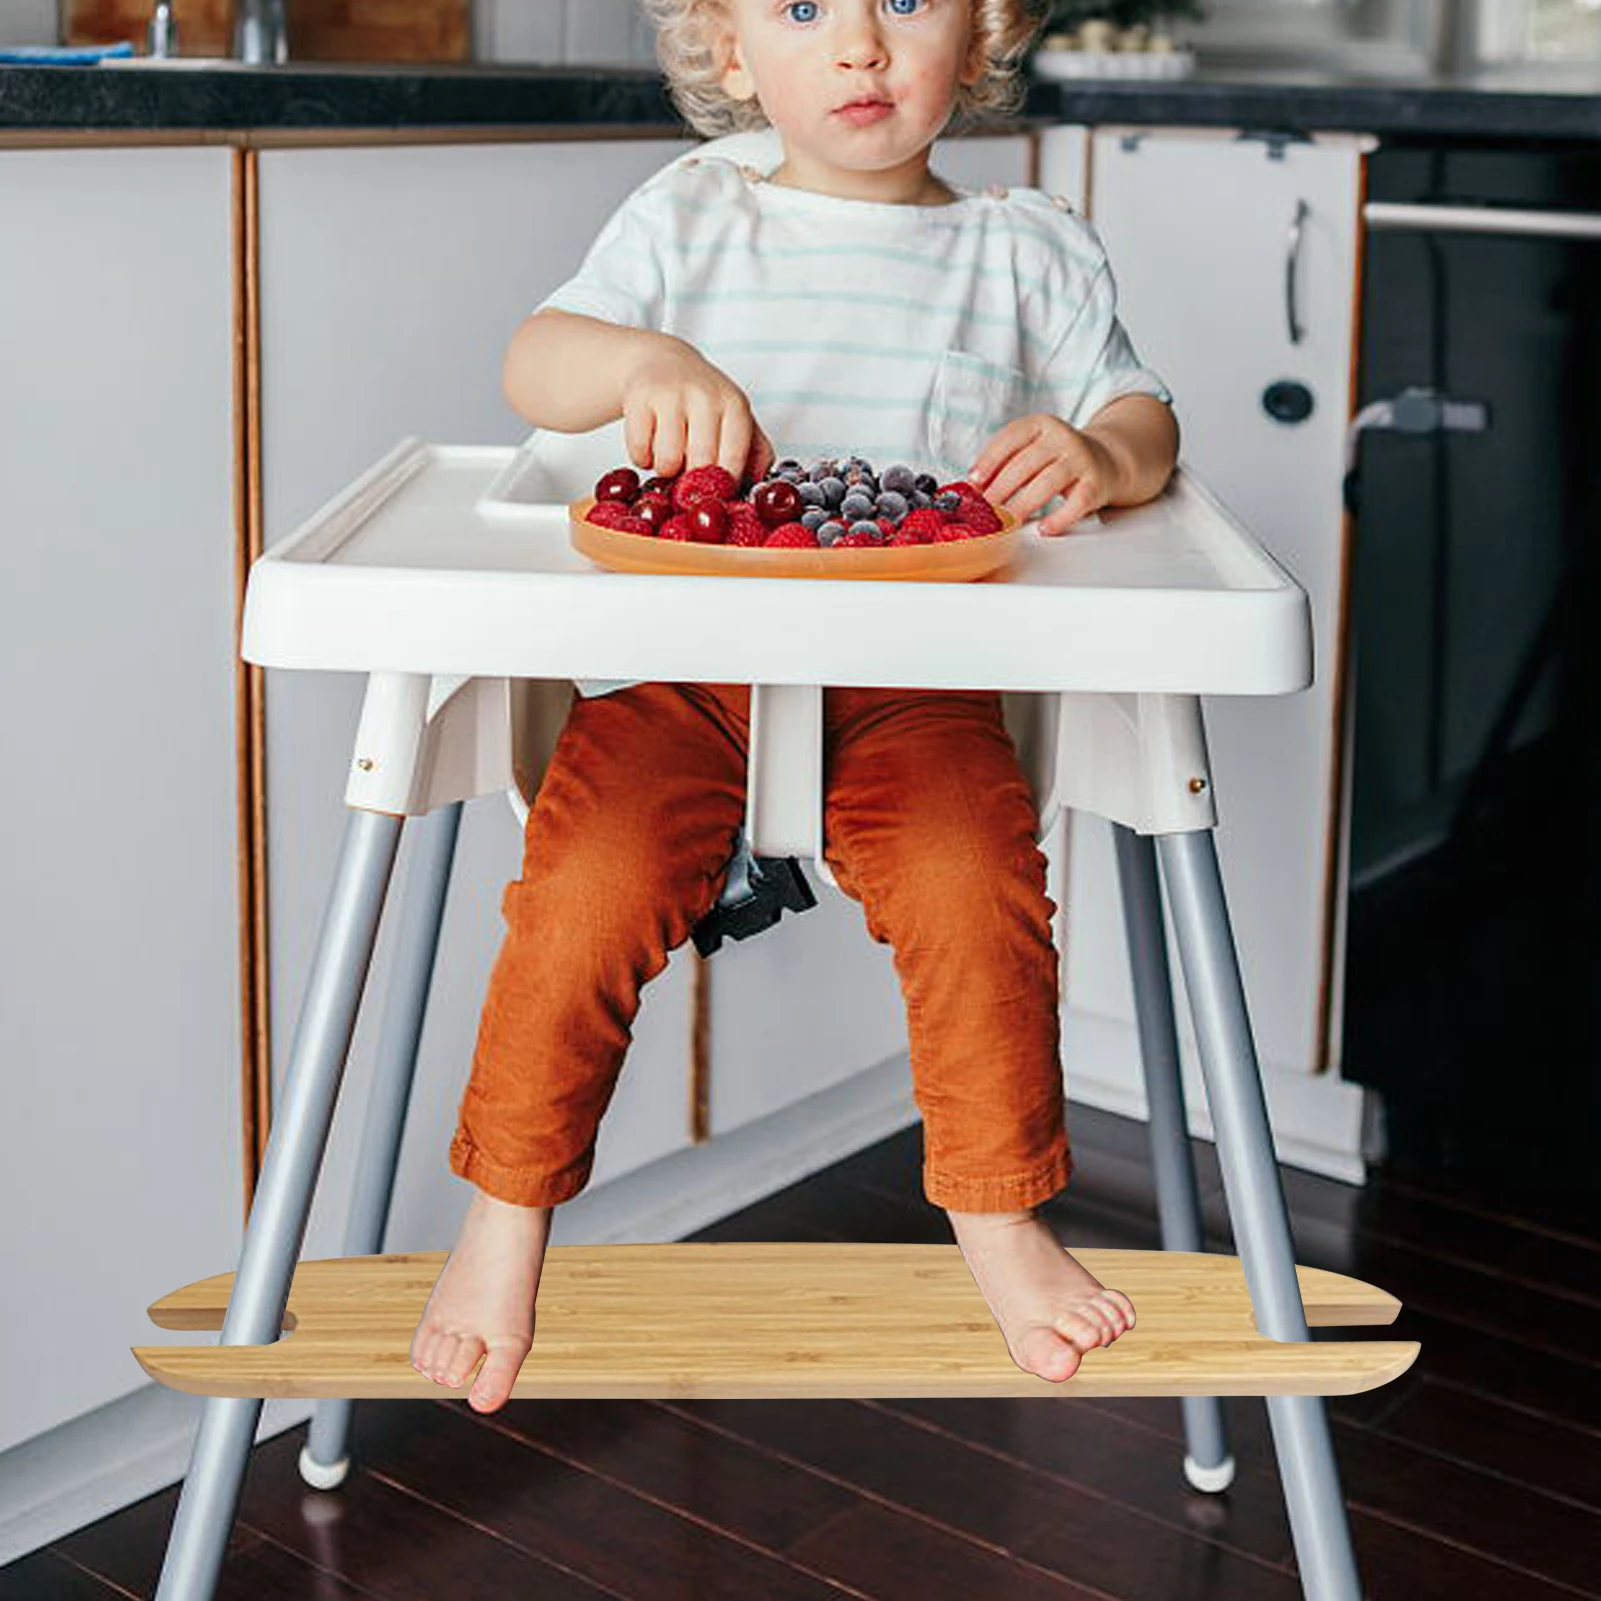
(899, 478)
(921, 500)
(810, 493)
(948, 500)
(893, 505)
(813, 517)
(833, 490)
(828, 532)
(786, 466)
(826, 467)
(856, 504)
(867, 526)
(927, 482)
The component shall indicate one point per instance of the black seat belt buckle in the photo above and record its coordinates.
(772, 886)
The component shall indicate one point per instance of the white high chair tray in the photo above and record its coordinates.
(409, 570)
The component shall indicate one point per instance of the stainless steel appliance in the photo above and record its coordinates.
(1473, 998)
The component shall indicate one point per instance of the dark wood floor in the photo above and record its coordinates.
(1475, 1477)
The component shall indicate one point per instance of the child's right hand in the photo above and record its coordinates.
(679, 411)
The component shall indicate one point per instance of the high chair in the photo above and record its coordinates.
(447, 576)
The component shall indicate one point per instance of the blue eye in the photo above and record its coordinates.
(906, 13)
(789, 10)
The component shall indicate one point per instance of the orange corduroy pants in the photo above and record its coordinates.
(928, 823)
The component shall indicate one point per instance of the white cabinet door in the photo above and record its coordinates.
(120, 1145)
(814, 1000)
(1199, 226)
(391, 280)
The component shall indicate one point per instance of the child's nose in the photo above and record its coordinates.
(859, 43)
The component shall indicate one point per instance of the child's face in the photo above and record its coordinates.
(804, 59)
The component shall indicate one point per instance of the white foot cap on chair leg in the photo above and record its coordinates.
(1212, 1480)
(320, 1476)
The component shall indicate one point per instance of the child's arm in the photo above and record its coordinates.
(1122, 456)
(1141, 436)
(572, 373)
(568, 373)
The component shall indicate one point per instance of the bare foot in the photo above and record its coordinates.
(1049, 1307)
(483, 1300)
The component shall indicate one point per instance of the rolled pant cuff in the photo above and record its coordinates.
(1011, 1192)
(519, 1186)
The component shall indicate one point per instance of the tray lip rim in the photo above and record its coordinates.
(293, 590)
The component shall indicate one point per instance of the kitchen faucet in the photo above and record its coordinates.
(260, 31)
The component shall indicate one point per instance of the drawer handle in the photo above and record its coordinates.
(1292, 266)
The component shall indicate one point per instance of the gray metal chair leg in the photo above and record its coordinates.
(1300, 1424)
(323, 1462)
(277, 1225)
(1208, 1462)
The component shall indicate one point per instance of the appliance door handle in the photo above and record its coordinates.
(1292, 270)
(1511, 222)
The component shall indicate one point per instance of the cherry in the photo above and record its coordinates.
(776, 501)
(653, 509)
(660, 485)
(709, 520)
(621, 483)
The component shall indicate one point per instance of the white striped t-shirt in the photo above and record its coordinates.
(902, 333)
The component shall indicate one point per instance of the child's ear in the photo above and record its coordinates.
(973, 67)
(737, 82)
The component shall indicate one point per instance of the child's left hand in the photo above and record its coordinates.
(1035, 457)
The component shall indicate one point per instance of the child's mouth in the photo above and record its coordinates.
(861, 112)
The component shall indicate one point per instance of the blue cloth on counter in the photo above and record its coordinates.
(46, 55)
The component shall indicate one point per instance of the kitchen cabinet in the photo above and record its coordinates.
(1236, 263)
(120, 1150)
(814, 1000)
(391, 279)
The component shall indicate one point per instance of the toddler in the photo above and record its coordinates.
(864, 306)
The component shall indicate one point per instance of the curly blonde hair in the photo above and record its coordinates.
(686, 36)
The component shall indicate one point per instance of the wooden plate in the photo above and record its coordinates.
(953, 561)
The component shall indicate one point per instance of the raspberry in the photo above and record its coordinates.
(961, 486)
(679, 527)
(614, 514)
(978, 514)
(920, 527)
(703, 483)
(886, 526)
(953, 530)
(857, 540)
(793, 536)
(744, 526)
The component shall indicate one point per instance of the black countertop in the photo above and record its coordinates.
(1533, 106)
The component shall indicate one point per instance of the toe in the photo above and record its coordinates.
(421, 1345)
(1118, 1308)
(1045, 1352)
(1098, 1319)
(1084, 1332)
(468, 1349)
(499, 1373)
(444, 1355)
(1110, 1313)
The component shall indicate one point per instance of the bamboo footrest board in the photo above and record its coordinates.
(696, 1320)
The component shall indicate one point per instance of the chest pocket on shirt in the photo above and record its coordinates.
(971, 398)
